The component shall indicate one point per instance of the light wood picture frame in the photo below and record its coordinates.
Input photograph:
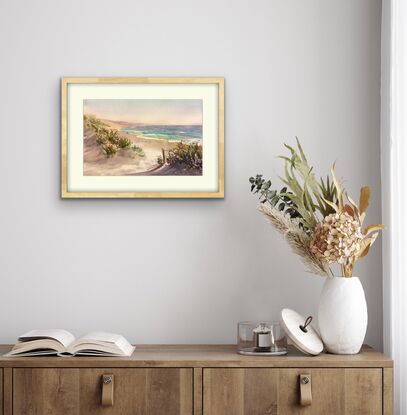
(142, 137)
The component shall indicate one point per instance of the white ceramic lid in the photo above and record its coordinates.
(308, 340)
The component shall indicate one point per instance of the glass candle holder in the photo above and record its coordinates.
(261, 338)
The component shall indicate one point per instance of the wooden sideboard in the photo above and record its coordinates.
(197, 380)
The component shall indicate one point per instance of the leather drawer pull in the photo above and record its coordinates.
(305, 390)
(107, 390)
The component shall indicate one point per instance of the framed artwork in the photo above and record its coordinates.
(142, 138)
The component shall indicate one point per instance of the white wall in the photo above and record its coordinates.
(174, 271)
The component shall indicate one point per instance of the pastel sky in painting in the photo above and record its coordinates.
(147, 111)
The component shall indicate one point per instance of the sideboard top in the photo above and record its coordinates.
(201, 356)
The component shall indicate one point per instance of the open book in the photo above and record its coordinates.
(62, 343)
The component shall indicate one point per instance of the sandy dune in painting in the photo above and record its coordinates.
(126, 162)
(123, 144)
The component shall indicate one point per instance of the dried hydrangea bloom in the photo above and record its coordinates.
(337, 238)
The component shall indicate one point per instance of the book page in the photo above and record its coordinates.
(101, 336)
(96, 342)
(62, 336)
(33, 353)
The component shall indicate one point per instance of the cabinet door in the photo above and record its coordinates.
(277, 391)
(334, 391)
(240, 391)
(153, 391)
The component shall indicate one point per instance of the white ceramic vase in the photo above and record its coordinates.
(342, 315)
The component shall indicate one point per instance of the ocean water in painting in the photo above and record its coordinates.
(183, 133)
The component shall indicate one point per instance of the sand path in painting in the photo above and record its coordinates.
(126, 162)
(170, 171)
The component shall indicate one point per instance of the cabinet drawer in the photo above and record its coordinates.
(277, 391)
(152, 391)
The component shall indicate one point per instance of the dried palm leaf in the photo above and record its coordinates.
(339, 190)
(365, 246)
(333, 206)
(364, 199)
(373, 228)
(354, 205)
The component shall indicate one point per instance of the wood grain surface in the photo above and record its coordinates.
(202, 356)
(277, 392)
(197, 380)
(142, 391)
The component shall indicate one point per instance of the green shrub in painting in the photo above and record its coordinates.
(113, 137)
(124, 142)
(108, 138)
(138, 150)
(109, 149)
(189, 155)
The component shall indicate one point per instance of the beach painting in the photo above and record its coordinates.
(143, 137)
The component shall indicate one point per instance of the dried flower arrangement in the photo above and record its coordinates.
(313, 218)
